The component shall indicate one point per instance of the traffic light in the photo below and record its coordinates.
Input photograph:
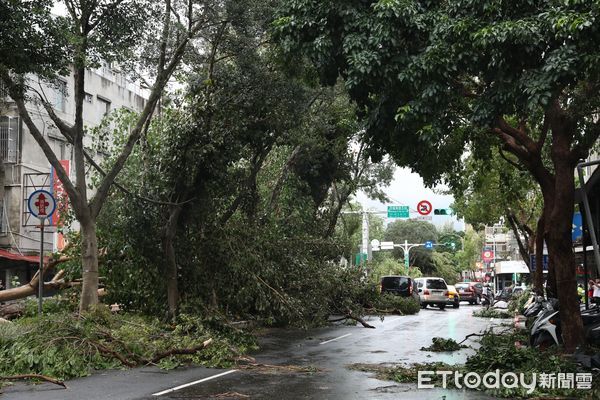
(442, 211)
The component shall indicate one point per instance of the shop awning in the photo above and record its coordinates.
(7, 255)
(511, 267)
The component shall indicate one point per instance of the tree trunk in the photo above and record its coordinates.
(334, 218)
(521, 233)
(168, 245)
(560, 249)
(281, 180)
(538, 279)
(89, 258)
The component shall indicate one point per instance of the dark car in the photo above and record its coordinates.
(470, 291)
(403, 286)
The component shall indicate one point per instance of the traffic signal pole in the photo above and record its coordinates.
(365, 235)
(406, 248)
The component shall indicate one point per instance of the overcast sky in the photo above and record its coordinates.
(408, 189)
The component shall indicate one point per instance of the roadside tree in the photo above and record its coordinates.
(91, 31)
(437, 78)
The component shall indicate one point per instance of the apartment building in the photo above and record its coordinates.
(26, 166)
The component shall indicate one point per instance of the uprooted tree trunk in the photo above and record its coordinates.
(31, 288)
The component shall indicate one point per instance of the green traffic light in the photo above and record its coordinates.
(442, 211)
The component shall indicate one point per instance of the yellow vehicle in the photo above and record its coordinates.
(453, 297)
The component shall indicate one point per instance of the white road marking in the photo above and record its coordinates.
(194, 383)
(337, 338)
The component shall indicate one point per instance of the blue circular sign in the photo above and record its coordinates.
(41, 204)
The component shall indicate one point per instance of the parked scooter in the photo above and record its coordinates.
(534, 305)
(545, 331)
(546, 328)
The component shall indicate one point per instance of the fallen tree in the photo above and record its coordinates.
(31, 288)
(70, 345)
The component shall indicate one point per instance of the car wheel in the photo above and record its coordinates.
(456, 304)
(471, 302)
(442, 306)
(423, 306)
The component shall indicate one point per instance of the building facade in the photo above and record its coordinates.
(27, 168)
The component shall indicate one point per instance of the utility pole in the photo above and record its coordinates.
(365, 235)
(406, 248)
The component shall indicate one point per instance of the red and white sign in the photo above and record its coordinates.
(41, 204)
(62, 207)
(487, 255)
(58, 190)
(424, 207)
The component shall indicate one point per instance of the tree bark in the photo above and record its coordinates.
(281, 179)
(560, 244)
(522, 236)
(168, 247)
(30, 288)
(538, 278)
(558, 191)
(89, 258)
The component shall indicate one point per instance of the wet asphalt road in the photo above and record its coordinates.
(331, 349)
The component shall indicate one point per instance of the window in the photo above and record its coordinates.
(60, 101)
(104, 106)
(9, 135)
(89, 98)
(436, 284)
(395, 282)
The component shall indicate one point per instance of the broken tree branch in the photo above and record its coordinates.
(360, 320)
(34, 376)
(173, 352)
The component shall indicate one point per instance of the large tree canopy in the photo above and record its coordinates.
(427, 72)
(437, 78)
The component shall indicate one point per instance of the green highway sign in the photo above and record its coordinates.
(398, 212)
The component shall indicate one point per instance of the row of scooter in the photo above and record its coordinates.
(543, 319)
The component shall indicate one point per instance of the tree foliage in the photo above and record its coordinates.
(248, 170)
(437, 78)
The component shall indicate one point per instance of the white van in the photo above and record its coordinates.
(432, 291)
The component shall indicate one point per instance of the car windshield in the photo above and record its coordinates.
(461, 285)
(395, 282)
(436, 284)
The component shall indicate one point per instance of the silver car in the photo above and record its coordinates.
(432, 291)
